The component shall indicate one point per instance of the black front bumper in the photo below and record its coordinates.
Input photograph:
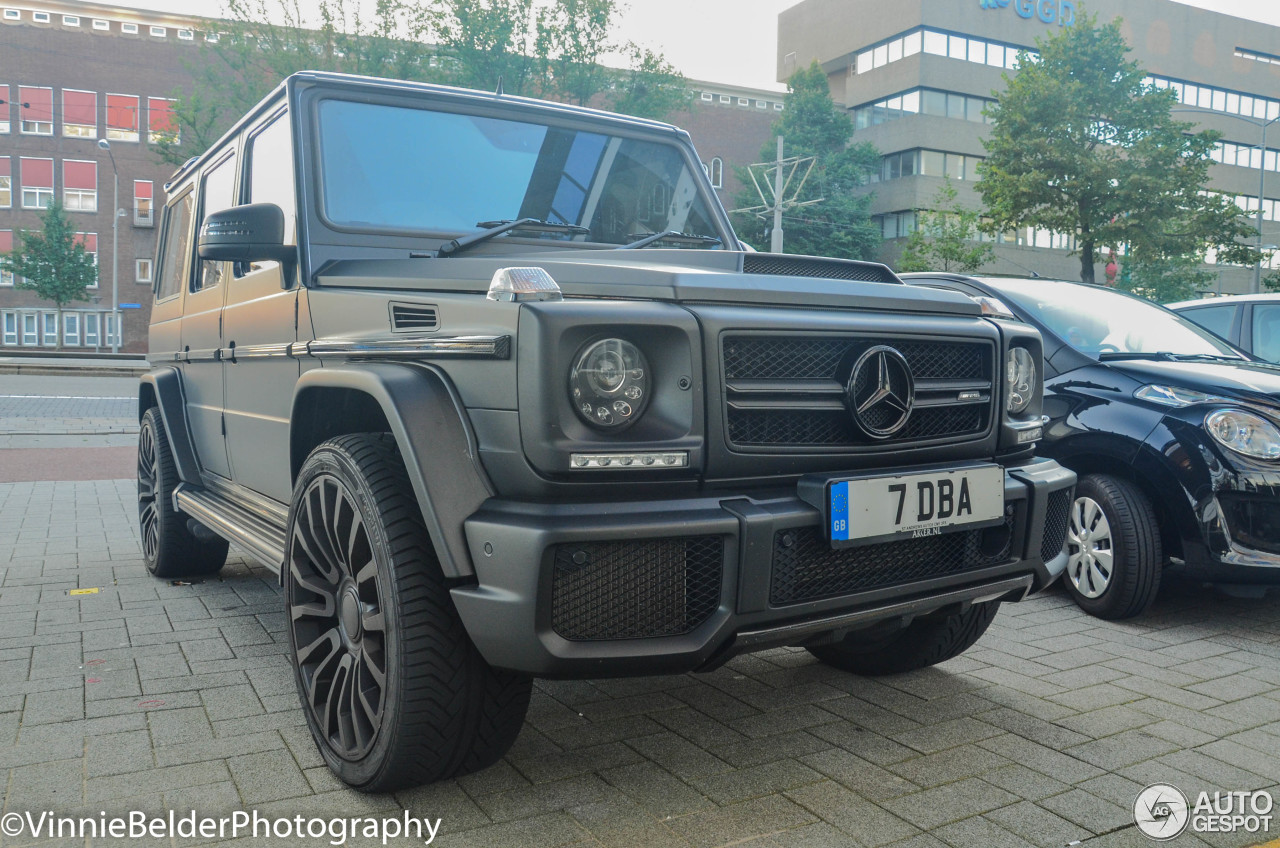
(626, 588)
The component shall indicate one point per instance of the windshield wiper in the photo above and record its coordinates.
(497, 228)
(1207, 357)
(1108, 355)
(644, 240)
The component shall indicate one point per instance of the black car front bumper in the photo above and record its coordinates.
(624, 588)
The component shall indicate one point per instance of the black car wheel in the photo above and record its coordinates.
(926, 641)
(1113, 548)
(394, 691)
(169, 549)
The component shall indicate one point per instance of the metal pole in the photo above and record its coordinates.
(115, 258)
(776, 243)
(1262, 196)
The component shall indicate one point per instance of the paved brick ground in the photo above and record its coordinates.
(152, 696)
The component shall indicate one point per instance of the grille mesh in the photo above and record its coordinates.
(807, 568)
(780, 358)
(1057, 512)
(808, 266)
(753, 427)
(635, 589)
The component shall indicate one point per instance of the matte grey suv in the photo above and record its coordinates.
(494, 387)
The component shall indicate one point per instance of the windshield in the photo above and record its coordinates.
(1094, 320)
(405, 169)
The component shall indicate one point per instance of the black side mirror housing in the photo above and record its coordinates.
(250, 233)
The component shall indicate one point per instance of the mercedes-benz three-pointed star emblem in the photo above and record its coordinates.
(880, 392)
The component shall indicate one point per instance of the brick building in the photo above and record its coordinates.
(72, 73)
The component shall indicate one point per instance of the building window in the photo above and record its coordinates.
(12, 15)
(122, 117)
(30, 336)
(708, 96)
(159, 31)
(49, 329)
(211, 37)
(79, 114)
(129, 29)
(40, 17)
(9, 321)
(89, 241)
(71, 20)
(760, 104)
(109, 326)
(37, 182)
(80, 185)
(6, 182)
(6, 245)
(142, 271)
(143, 214)
(35, 110)
(726, 99)
(91, 323)
(6, 105)
(716, 172)
(186, 35)
(71, 329)
(744, 101)
(98, 23)
(933, 42)
(161, 123)
(1219, 99)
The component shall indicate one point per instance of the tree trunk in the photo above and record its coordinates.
(1086, 261)
(59, 326)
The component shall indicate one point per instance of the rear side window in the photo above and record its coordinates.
(176, 246)
(1266, 331)
(1216, 319)
(219, 194)
(271, 175)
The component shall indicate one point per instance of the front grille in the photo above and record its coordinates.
(1252, 520)
(789, 392)
(812, 266)
(1056, 513)
(807, 568)
(635, 589)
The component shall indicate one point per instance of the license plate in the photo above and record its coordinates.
(912, 506)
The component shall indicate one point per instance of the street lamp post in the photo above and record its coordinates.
(115, 247)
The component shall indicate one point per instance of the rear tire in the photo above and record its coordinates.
(168, 547)
(924, 642)
(394, 691)
(1114, 557)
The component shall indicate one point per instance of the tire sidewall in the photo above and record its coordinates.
(163, 490)
(331, 462)
(1110, 599)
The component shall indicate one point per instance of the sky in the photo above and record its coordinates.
(726, 41)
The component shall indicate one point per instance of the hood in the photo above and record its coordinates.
(681, 276)
(1255, 381)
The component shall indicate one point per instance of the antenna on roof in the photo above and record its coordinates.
(498, 93)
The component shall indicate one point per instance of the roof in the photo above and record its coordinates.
(1235, 298)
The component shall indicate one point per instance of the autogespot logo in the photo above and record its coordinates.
(1161, 811)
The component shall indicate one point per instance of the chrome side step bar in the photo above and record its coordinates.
(260, 537)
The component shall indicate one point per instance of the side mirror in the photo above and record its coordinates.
(250, 233)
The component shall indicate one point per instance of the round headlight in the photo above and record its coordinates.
(1020, 379)
(1244, 432)
(609, 384)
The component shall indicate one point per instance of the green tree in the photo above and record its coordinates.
(572, 36)
(650, 88)
(812, 125)
(1079, 144)
(1164, 278)
(946, 238)
(51, 262)
(482, 41)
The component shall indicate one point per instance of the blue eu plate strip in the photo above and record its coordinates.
(840, 511)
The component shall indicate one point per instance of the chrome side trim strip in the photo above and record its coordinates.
(262, 506)
(265, 351)
(473, 347)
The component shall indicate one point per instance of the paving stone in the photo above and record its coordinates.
(951, 802)
(657, 790)
(268, 776)
(864, 822)
(1122, 749)
(1089, 811)
(738, 822)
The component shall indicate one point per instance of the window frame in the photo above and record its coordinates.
(22, 122)
(138, 264)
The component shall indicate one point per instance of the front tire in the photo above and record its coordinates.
(924, 642)
(394, 691)
(169, 548)
(1114, 556)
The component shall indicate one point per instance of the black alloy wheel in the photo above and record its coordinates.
(148, 512)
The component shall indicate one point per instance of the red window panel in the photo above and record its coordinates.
(79, 175)
(36, 103)
(160, 117)
(122, 112)
(142, 189)
(89, 240)
(79, 107)
(6, 169)
(5, 100)
(6, 241)
(37, 173)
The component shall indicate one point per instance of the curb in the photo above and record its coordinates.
(73, 371)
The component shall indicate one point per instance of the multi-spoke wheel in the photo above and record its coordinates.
(924, 642)
(168, 546)
(1113, 548)
(394, 691)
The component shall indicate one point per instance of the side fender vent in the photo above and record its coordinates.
(410, 317)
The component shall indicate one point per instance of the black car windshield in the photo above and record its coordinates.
(1094, 320)
(401, 169)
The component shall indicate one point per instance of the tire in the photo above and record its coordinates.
(1114, 558)
(394, 691)
(168, 548)
(924, 642)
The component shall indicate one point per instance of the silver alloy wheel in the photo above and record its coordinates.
(1090, 554)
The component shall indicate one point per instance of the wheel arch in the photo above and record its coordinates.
(420, 408)
(162, 388)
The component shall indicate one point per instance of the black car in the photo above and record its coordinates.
(1174, 432)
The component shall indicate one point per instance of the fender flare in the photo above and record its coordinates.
(165, 384)
(436, 442)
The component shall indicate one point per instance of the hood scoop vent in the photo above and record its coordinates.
(812, 266)
(409, 317)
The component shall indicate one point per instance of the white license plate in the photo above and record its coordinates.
(911, 506)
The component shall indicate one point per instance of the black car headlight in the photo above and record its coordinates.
(1244, 432)
(1020, 379)
(609, 384)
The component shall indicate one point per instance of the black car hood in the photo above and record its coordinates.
(1259, 381)
(682, 276)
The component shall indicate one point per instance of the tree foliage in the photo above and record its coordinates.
(812, 125)
(1079, 144)
(51, 262)
(551, 50)
(946, 238)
